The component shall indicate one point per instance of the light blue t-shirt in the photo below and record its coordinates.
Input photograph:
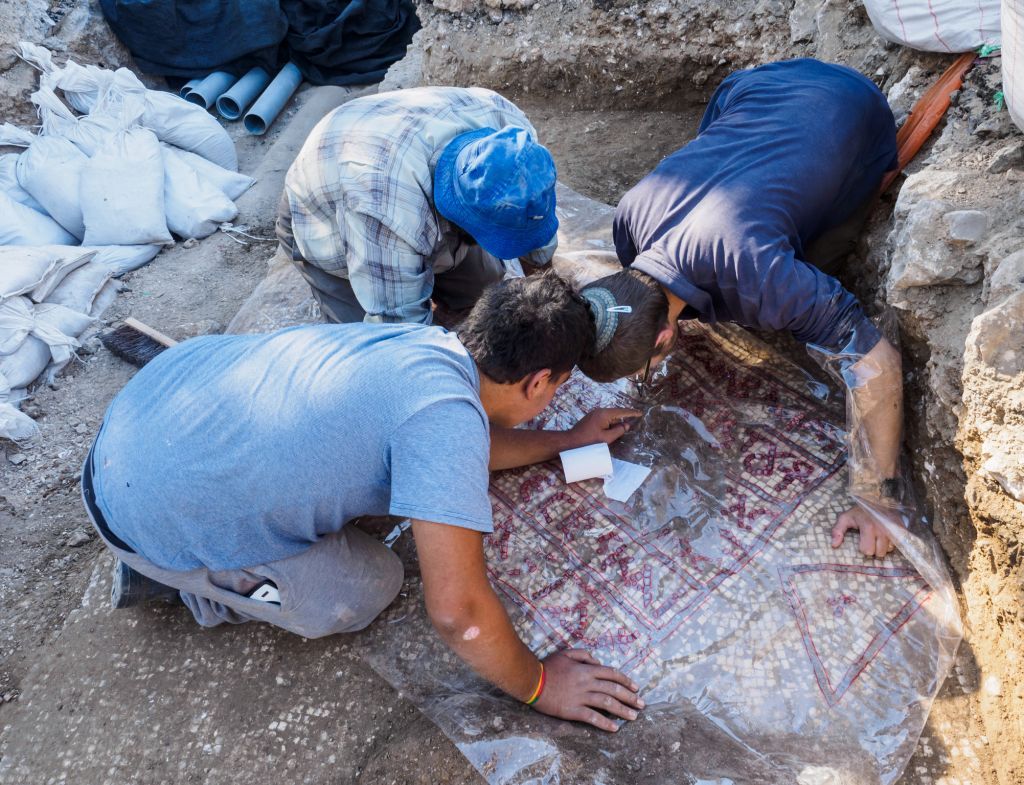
(233, 451)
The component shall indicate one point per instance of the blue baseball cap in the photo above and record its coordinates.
(499, 186)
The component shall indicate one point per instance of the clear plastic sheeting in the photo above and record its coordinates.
(765, 655)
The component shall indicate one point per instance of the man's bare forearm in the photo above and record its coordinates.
(514, 447)
(875, 408)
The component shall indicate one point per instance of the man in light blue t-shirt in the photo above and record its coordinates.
(230, 469)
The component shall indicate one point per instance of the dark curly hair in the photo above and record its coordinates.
(523, 325)
(636, 334)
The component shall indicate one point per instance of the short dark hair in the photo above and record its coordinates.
(636, 335)
(523, 325)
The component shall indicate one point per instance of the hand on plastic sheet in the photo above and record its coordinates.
(580, 688)
(874, 539)
(604, 425)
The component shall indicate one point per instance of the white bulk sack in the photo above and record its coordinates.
(9, 183)
(232, 184)
(122, 192)
(194, 206)
(936, 25)
(1013, 59)
(37, 271)
(50, 170)
(21, 225)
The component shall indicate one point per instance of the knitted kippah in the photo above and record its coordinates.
(606, 315)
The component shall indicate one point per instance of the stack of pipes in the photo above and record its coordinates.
(255, 98)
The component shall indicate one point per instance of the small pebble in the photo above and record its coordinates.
(17, 458)
(78, 538)
(191, 242)
(81, 428)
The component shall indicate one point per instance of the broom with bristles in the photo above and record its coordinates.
(136, 342)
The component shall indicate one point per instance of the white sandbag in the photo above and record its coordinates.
(50, 170)
(15, 425)
(122, 192)
(79, 289)
(9, 183)
(232, 184)
(121, 259)
(936, 25)
(81, 84)
(194, 206)
(173, 119)
(37, 270)
(88, 133)
(1013, 59)
(21, 225)
(190, 127)
(22, 367)
(56, 325)
(12, 136)
(105, 298)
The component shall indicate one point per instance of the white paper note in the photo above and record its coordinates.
(625, 478)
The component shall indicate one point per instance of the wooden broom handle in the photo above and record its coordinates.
(148, 331)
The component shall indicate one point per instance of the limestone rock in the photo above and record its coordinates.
(921, 254)
(802, 24)
(1007, 278)
(966, 226)
(995, 338)
(994, 392)
(1006, 158)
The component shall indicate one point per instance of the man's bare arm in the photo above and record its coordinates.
(875, 406)
(471, 619)
(514, 447)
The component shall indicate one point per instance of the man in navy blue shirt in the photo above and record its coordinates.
(719, 231)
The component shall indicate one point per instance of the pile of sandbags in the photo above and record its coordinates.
(114, 173)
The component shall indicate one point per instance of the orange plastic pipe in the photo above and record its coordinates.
(926, 114)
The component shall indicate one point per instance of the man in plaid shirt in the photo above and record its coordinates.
(400, 198)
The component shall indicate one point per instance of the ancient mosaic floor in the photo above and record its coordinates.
(765, 655)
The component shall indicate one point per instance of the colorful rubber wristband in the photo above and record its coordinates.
(540, 687)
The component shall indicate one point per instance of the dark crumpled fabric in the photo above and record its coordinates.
(343, 43)
(336, 42)
(192, 38)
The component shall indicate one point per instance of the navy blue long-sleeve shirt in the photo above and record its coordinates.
(784, 152)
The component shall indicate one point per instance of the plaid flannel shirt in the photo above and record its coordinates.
(361, 194)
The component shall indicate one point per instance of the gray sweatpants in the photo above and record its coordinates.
(457, 288)
(339, 584)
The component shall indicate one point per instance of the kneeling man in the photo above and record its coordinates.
(788, 155)
(231, 467)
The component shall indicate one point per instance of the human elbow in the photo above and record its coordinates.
(454, 618)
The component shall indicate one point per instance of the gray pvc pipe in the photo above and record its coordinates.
(211, 88)
(188, 87)
(269, 105)
(236, 100)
